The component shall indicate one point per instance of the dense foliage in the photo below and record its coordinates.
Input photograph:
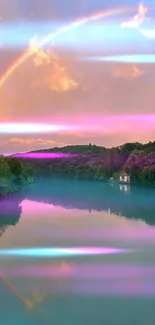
(91, 163)
(95, 162)
(13, 174)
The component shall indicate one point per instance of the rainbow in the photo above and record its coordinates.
(50, 37)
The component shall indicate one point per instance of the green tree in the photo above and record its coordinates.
(5, 171)
(16, 168)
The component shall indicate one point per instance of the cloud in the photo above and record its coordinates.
(127, 71)
(53, 75)
(137, 20)
(148, 33)
(20, 144)
(31, 141)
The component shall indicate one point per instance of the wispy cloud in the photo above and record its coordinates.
(19, 144)
(127, 71)
(137, 20)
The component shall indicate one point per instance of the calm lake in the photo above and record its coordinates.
(112, 282)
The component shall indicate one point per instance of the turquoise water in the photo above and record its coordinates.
(116, 288)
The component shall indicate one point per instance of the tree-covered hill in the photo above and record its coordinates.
(96, 162)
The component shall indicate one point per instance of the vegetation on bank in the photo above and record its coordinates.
(13, 175)
(91, 163)
(98, 163)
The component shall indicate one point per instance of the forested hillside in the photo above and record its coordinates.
(98, 163)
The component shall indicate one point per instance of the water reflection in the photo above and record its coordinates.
(10, 212)
(96, 196)
(125, 188)
(110, 289)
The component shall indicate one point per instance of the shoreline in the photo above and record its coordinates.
(13, 190)
(18, 188)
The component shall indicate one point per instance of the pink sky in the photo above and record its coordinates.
(101, 103)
